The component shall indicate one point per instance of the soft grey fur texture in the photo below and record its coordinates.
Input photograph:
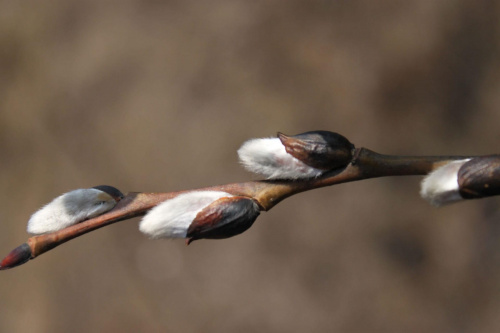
(268, 157)
(68, 209)
(440, 187)
(172, 218)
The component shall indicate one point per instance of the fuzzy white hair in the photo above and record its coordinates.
(68, 209)
(441, 187)
(268, 157)
(172, 218)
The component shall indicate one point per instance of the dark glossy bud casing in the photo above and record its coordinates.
(319, 149)
(480, 177)
(223, 218)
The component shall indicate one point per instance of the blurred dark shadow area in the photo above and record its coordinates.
(157, 96)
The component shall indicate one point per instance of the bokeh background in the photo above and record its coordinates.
(158, 96)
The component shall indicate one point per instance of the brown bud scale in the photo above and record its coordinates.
(480, 177)
(224, 218)
(319, 149)
(112, 191)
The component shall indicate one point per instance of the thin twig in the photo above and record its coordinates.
(365, 164)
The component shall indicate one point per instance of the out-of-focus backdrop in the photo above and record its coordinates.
(159, 95)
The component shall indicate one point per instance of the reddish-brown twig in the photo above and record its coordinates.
(365, 164)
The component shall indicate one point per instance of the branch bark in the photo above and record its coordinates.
(364, 165)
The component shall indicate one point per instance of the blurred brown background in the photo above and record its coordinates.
(158, 96)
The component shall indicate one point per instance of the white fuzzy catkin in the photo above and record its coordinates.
(68, 209)
(440, 187)
(268, 157)
(172, 218)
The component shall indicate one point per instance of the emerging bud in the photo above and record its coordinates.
(319, 149)
(224, 218)
(302, 156)
(480, 177)
(268, 157)
(200, 214)
(474, 178)
(73, 207)
(441, 186)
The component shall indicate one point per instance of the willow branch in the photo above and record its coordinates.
(365, 164)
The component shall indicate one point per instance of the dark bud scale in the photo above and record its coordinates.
(223, 218)
(319, 149)
(480, 177)
(112, 191)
